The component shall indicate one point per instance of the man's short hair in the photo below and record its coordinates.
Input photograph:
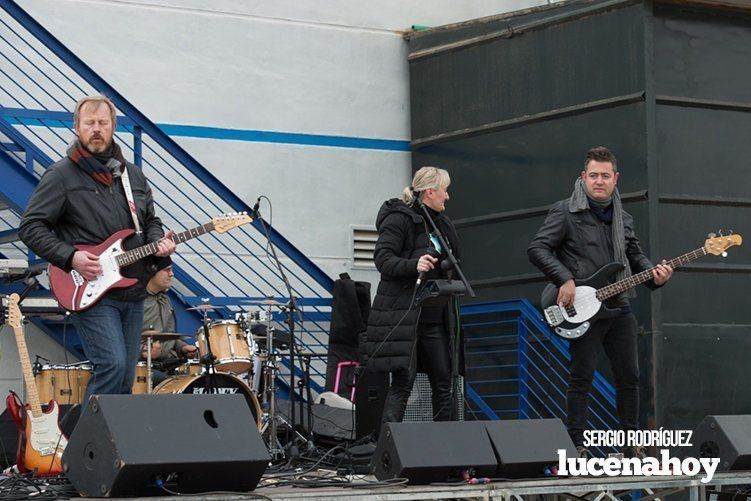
(96, 100)
(600, 154)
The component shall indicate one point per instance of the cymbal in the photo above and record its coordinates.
(266, 302)
(203, 307)
(161, 336)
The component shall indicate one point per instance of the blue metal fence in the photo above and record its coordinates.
(516, 368)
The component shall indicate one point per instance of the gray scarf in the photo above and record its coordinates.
(579, 202)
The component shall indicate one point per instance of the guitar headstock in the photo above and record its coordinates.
(15, 319)
(718, 245)
(226, 222)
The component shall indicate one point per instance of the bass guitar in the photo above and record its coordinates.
(41, 443)
(573, 322)
(75, 293)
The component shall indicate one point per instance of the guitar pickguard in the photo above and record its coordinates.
(45, 437)
(110, 276)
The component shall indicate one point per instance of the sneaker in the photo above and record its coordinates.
(582, 451)
(635, 452)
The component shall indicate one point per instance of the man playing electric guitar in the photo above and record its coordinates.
(83, 199)
(579, 236)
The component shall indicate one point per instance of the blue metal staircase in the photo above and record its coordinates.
(40, 82)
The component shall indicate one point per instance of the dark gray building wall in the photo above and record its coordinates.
(510, 104)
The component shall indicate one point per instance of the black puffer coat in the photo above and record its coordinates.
(402, 239)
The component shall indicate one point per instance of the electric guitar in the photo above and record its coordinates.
(75, 293)
(41, 443)
(574, 321)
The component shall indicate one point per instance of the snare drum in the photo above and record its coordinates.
(224, 384)
(190, 368)
(64, 383)
(232, 346)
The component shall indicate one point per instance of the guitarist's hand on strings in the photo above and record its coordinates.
(87, 264)
(662, 273)
(566, 293)
(166, 245)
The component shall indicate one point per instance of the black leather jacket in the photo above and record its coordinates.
(577, 244)
(69, 207)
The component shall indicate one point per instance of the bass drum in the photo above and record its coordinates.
(223, 384)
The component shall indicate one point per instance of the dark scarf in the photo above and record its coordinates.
(580, 200)
(100, 166)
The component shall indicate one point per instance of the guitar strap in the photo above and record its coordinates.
(129, 195)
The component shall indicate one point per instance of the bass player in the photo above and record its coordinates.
(580, 235)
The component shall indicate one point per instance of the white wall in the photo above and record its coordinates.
(331, 68)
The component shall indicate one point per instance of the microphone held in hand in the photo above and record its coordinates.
(432, 252)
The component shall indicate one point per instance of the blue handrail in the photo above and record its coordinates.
(40, 82)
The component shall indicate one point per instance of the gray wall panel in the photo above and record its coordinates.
(704, 152)
(703, 55)
(509, 78)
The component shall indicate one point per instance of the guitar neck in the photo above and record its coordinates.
(28, 375)
(629, 282)
(133, 255)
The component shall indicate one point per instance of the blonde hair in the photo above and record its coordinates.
(96, 100)
(425, 178)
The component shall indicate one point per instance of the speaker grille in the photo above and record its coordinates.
(420, 404)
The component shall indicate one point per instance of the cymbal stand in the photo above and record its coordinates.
(271, 419)
(149, 384)
(208, 359)
(270, 371)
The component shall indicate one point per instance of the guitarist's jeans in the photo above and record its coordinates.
(433, 349)
(111, 335)
(617, 336)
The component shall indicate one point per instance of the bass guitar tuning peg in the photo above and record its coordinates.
(711, 235)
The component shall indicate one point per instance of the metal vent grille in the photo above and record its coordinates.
(363, 244)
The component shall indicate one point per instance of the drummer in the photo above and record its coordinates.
(159, 315)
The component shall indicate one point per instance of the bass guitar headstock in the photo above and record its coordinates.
(718, 245)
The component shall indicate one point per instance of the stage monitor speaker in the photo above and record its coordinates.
(370, 397)
(526, 447)
(724, 437)
(133, 445)
(426, 452)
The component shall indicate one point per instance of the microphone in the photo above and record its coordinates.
(254, 212)
(433, 252)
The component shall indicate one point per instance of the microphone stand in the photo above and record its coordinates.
(452, 259)
(455, 265)
(291, 308)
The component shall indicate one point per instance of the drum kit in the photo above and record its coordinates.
(232, 361)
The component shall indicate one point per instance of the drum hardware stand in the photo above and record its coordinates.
(291, 309)
(303, 385)
(270, 371)
(148, 366)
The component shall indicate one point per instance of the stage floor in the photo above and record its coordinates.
(579, 488)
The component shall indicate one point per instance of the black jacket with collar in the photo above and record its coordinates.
(402, 239)
(68, 207)
(577, 244)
